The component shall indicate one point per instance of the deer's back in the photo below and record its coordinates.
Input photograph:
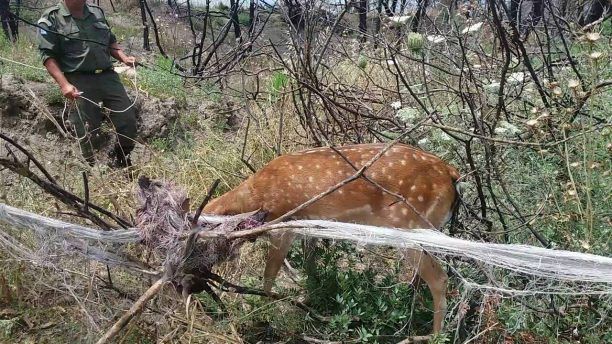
(424, 180)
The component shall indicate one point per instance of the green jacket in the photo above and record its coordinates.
(81, 45)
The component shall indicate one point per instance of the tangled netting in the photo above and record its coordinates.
(163, 224)
(551, 271)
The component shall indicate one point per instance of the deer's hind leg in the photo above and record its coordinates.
(280, 243)
(430, 271)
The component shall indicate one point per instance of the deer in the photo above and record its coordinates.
(426, 183)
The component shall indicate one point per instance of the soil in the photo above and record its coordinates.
(34, 122)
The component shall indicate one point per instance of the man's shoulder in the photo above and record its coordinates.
(96, 10)
(48, 15)
(50, 11)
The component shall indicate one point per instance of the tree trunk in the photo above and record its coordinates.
(594, 10)
(537, 11)
(379, 6)
(363, 22)
(403, 7)
(234, 18)
(294, 12)
(421, 8)
(145, 32)
(9, 20)
(394, 6)
(251, 18)
(514, 11)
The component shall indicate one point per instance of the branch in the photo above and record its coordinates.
(136, 309)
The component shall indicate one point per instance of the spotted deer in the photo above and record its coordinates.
(424, 181)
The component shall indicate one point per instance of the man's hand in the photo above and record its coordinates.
(69, 91)
(129, 61)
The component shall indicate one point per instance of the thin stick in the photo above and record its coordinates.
(85, 191)
(205, 202)
(136, 308)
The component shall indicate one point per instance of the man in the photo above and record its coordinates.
(9, 21)
(76, 45)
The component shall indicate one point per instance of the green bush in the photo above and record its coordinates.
(363, 301)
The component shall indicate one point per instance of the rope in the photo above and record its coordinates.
(99, 105)
(21, 64)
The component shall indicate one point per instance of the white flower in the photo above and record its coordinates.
(444, 136)
(407, 114)
(516, 78)
(435, 39)
(592, 36)
(573, 83)
(396, 105)
(492, 87)
(472, 28)
(390, 62)
(399, 19)
(423, 141)
(595, 55)
(501, 130)
(506, 129)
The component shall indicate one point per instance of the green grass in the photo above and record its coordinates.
(24, 51)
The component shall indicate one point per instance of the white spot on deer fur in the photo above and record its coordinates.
(401, 182)
(405, 211)
(318, 166)
(403, 162)
(414, 156)
(311, 179)
(300, 167)
(412, 188)
(410, 199)
(341, 191)
(390, 164)
(420, 198)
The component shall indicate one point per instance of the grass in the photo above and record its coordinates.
(25, 53)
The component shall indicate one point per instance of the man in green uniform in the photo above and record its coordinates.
(76, 45)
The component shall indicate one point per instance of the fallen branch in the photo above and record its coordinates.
(136, 309)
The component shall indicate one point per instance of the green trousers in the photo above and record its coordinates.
(107, 88)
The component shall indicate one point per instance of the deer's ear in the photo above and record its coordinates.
(185, 205)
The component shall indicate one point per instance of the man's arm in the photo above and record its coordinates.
(48, 44)
(116, 52)
(68, 90)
